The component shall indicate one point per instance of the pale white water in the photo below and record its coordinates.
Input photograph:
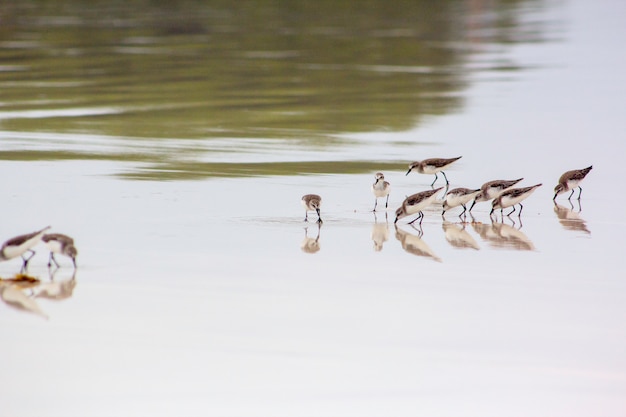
(195, 298)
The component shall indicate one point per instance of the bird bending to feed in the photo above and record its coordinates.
(380, 188)
(61, 244)
(492, 189)
(459, 197)
(432, 166)
(570, 180)
(312, 202)
(415, 204)
(511, 198)
(19, 245)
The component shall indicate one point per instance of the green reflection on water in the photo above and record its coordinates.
(199, 170)
(223, 69)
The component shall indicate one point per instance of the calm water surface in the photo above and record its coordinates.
(174, 143)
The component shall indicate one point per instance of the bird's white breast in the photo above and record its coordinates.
(54, 246)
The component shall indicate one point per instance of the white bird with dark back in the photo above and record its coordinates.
(432, 166)
(19, 245)
(459, 197)
(415, 204)
(380, 188)
(312, 202)
(570, 180)
(511, 198)
(61, 244)
(492, 189)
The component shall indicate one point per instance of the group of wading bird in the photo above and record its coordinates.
(499, 191)
(56, 243)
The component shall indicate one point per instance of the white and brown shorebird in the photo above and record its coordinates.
(492, 189)
(61, 244)
(459, 197)
(511, 198)
(432, 166)
(415, 204)
(21, 244)
(312, 202)
(380, 188)
(570, 180)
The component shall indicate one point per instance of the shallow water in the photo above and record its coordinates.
(200, 290)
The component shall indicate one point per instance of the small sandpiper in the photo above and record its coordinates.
(570, 180)
(61, 244)
(19, 245)
(415, 204)
(312, 202)
(459, 197)
(492, 189)
(380, 188)
(432, 166)
(511, 198)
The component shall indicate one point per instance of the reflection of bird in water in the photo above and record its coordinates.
(415, 204)
(512, 237)
(432, 166)
(62, 244)
(56, 290)
(19, 245)
(414, 244)
(486, 233)
(380, 188)
(458, 197)
(511, 198)
(15, 297)
(458, 237)
(571, 219)
(501, 235)
(380, 233)
(309, 244)
(492, 189)
(570, 180)
(312, 202)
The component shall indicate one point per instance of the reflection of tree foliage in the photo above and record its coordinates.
(250, 68)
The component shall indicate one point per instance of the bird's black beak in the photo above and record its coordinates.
(407, 173)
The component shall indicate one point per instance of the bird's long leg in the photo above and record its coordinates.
(306, 216)
(435, 180)
(421, 216)
(520, 209)
(32, 253)
(52, 259)
(580, 192)
(472, 206)
(512, 211)
(319, 216)
(387, 201)
(375, 204)
(570, 196)
(464, 209)
(444, 175)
